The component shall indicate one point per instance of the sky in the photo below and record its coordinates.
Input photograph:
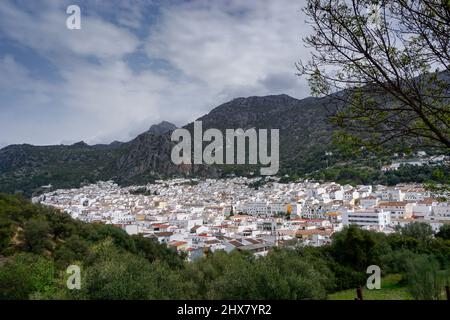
(138, 62)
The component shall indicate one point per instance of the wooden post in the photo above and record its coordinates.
(359, 295)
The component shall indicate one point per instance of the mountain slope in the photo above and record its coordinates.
(305, 134)
(162, 128)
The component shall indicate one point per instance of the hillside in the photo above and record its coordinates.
(304, 137)
(37, 244)
(305, 140)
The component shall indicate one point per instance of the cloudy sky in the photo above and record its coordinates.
(138, 62)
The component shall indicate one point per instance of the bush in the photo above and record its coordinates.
(425, 281)
(26, 274)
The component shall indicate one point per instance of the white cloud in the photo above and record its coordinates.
(45, 31)
(219, 50)
(229, 45)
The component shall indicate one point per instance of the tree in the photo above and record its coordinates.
(444, 232)
(392, 60)
(72, 249)
(113, 273)
(35, 235)
(26, 274)
(152, 250)
(357, 248)
(425, 281)
(6, 232)
(418, 230)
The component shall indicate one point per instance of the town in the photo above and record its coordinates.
(196, 216)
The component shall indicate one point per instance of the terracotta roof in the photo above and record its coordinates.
(160, 225)
(393, 204)
(426, 201)
(163, 234)
(235, 243)
(333, 213)
(313, 231)
(254, 241)
(177, 243)
(213, 241)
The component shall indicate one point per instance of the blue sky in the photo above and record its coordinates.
(138, 62)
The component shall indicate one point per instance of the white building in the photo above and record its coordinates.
(267, 209)
(370, 218)
(441, 211)
(421, 210)
(368, 202)
(398, 209)
(392, 195)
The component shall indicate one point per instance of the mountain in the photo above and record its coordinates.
(162, 128)
(305, 135)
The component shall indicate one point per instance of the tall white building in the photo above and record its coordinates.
(369, 218)
(267, 209)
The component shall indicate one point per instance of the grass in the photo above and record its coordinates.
(391, 289)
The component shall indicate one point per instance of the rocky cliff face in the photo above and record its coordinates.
(305, 132)
(161, 128)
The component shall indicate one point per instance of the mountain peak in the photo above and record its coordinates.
(80, 144)
(257, 103)
(275, 97)
(162, 128)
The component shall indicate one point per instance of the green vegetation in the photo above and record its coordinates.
(371, 175)
(392, 288)
(396, 83)
(444, 232)
(141, 191)
(26, 169)
(37, 244)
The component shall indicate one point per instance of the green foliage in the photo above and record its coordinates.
(72, 249)
(444, 232)
(425, 280)
(392, 288)
(355, 174)
(418, 230)
(112, 273)
(396, 261)
(35, 236)
(387, 95)
(357, 248)
(61, 166)
(106, 254)
(26, 274)
(283, 274)
(152, 251)
(39, 243)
